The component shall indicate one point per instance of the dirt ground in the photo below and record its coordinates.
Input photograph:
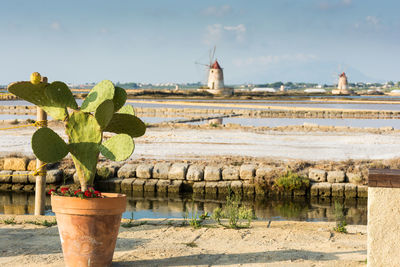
(165, 243)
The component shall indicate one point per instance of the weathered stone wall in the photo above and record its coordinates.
(209, 179)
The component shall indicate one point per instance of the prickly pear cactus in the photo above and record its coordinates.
(103, 110)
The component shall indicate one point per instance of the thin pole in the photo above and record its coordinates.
(40, 188)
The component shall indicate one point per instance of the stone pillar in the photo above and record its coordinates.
(383, 218)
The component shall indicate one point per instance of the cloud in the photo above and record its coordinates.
(218, 32)
(372, 20)
(217, 11)
(56, 26)
(274, 59)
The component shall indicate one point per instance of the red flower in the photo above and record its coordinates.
(51, 191)
(77, 192)
(64, 190)
(97, 193)
(88, 193)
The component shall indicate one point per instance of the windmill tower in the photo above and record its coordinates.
(342, 84)
(215, 82)
(215, 77)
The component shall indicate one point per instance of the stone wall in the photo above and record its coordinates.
(209, 179)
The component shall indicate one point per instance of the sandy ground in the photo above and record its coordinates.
(167, 143)
(163, 243)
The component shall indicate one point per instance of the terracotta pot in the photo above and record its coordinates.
(88, 228)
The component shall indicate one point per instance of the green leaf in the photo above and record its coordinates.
(60, 95)
(84, 139)
(104, 113)
(36, 95)
(119, 98)
(127, 124)
(48, 146)
(117, 148)
(104, 90)
(127, 109)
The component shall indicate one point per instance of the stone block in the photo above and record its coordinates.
(265, 172)
(350, 190)
(237, 187)
(175, 187)
(20, 177)
(195, 173)
(362, 191)
(314, 190)
(54, 176)
(5, 176)
(161, 170)
(248, 190)
(224, 188)
(5, 187)
(335, 177)
(178, 171)
(150, 185)
(354, 178)
(383, 227)
(325, 189)
(28, 188)
(317, 175)
(162, 186)
(126, 184)
(338, 189)
(211, 189)
(18, 187)
(31, 165)
(127, 171)
(247, 171)
(199, 188)
(212, 173)
(16, 164)
(144, 171)
(138, 185)
(230, 173)
(114, 185)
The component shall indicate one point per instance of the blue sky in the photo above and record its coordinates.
(160, 41)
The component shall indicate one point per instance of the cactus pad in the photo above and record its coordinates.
(60, 95)
(36, 95)
(127, 109)
(118, 148)
(119, 98)
(48, 146)
(127, 124)
(104, 90)
(104, 113)
(84, 139)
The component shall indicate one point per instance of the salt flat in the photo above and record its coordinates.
(178, 143)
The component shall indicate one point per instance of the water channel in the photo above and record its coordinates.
(153, 206)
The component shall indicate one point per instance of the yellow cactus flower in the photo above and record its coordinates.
(36, 78)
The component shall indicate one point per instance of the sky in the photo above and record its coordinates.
(151, 41)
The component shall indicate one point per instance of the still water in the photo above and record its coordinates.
(153, 206)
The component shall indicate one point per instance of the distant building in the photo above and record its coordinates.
(215, 77)
(315, 91)
(343, 87)
(267, 90)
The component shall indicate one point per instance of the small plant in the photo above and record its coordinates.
(291, 181)
(340, 218)
(45, 223)
(102, 111)
(129, 224)
(191, 244)
(69, 192)
(196, 221)
(9, 221)
(213, 125)
(234, 213)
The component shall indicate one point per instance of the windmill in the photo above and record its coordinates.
(342, 83)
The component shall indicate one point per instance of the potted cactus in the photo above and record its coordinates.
(88, 225)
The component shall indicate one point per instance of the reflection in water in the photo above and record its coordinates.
(153, 206)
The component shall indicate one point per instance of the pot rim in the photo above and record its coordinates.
(113, 203)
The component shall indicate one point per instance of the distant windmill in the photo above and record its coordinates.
(342, 84)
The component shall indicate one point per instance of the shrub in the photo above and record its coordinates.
(291, 181)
